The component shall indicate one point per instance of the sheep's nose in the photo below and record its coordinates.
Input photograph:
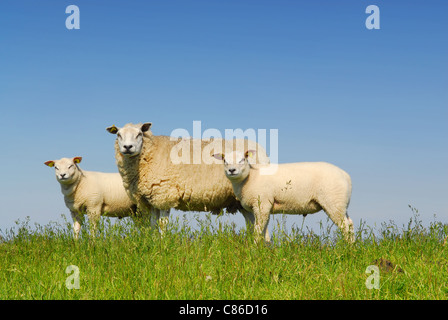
(127, 147)
(63, 175)
(232, 170)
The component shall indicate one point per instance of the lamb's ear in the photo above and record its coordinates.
(112, 129)
(146, 126)
(49, 163)
(77, 159)
(218, 156)
(250, 153)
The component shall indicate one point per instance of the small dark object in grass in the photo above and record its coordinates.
(386, 265)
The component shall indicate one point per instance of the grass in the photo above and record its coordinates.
(219, 262)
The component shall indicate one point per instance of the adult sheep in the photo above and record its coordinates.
(155, 175)
(93, 193)
(294, 188)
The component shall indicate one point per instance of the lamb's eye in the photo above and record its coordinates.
(56, 168)
(70, 166)
(242, 161)
(139, 135)
(118, 135)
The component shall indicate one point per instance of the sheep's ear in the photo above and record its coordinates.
(146, 126)
(77, 159)
(112, 129)
(249, 153)
(218, 156)
(49, 163)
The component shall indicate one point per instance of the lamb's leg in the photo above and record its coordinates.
(94, 217)
(262, 212)
(249, 217)
(343, 221)
(77, 222)
(350, 229)
(250, 223)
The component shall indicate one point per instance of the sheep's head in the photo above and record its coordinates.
(66, 169)
(130, 138)
(236, 166)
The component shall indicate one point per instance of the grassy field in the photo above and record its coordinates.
(220, 262)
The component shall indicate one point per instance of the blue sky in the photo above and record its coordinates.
(374, 102)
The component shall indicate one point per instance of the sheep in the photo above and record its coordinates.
(93, 193)
(153, 175)
(294, 188)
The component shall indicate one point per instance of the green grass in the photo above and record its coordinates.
(220, 262)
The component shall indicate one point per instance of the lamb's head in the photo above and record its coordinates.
(130, 138)
(67, 171)
(236, 165)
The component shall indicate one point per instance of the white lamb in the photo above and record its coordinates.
(294, 188)
(153, 175)
(93, 193)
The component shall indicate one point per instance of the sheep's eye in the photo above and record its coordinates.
(56, 168)
(139, 135)
(118, 135)
(70, 166)
(242, 161)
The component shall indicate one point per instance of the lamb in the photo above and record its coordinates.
(93, 193)
(154, 176)
(294, 188)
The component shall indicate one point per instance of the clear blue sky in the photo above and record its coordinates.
(374, 102)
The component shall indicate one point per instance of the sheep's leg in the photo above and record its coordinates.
(94, 218)
(163, 220)
(147, 214)
(94, 215)
(154, 217)
(262, 214)
(159, 219)
(350, 229)
(249, 217)
(250, 223)
(77, 222)
(141, 218)
(343, 221)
